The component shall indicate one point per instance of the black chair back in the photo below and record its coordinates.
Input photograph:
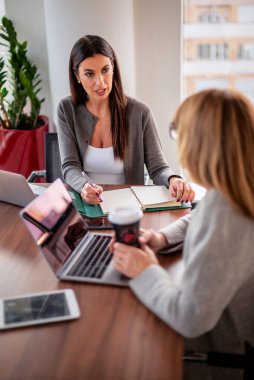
(52, 157)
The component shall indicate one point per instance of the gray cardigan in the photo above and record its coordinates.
(213, 304)
(75, 128)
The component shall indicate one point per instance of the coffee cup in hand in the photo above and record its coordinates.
(125, 221)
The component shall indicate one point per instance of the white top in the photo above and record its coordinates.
(101, 166)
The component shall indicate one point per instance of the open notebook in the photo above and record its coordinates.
(149, 198)
(146, 197)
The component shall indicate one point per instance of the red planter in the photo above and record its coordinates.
(22, 151)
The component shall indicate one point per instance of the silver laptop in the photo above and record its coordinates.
(15, 189)
(73, 252)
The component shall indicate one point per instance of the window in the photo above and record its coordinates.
(213, 51)
(246, 85)
(213, 14)
(202, 84)
(203, 51)
(209, 16)
(218, 45)
(246, 51)
(246, 13)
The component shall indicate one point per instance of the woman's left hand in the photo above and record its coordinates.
(181, 190)
(132, 261)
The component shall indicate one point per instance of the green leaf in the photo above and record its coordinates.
(21, 76)
(4, 92)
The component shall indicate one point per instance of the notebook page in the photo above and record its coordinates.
(154, 196)
(118, 198)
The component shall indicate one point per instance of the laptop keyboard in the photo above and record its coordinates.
(94, 260)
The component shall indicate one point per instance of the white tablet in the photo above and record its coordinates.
(38, 308)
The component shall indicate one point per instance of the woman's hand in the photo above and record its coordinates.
(155, 240)
(90, 194)
(181, 190)
(132, 261)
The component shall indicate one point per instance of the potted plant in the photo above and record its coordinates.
(21, 126)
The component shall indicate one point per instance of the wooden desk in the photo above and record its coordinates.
(116, 338)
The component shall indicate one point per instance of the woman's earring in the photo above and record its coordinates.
(78, 81)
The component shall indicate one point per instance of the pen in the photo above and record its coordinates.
(92, 184)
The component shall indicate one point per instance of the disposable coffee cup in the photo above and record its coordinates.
(125, 221)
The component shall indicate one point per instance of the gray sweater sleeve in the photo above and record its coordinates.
(175, 234)
(69, 145)
(217, 261)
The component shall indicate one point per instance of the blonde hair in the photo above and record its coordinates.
(216, 144)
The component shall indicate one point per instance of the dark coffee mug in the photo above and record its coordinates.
(125, 221)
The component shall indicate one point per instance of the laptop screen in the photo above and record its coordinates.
(55, 224)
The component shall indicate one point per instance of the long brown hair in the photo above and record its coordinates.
(86, 47)
(216, 144)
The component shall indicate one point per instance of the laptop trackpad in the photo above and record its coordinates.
(112, 276)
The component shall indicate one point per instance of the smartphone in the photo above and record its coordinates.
(100, 223)
(38, 308)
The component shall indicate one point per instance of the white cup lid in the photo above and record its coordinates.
(125, 215)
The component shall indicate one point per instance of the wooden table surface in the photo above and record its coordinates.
(116, 337)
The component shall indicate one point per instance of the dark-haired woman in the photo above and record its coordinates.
(106, 134)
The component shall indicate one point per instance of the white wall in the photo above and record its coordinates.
(29, 21)
(145, 35)
(2, 8)
(158, 41)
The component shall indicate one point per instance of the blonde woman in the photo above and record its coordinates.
(213, 306)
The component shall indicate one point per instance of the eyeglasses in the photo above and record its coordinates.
(172, 131)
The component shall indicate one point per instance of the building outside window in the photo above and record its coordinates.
(246, 51)
(212, 51)
(218, 45)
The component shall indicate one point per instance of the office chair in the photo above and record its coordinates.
(53, 169)
(226, 360)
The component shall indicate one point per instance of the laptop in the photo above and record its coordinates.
(15, 189)
(71, 250)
